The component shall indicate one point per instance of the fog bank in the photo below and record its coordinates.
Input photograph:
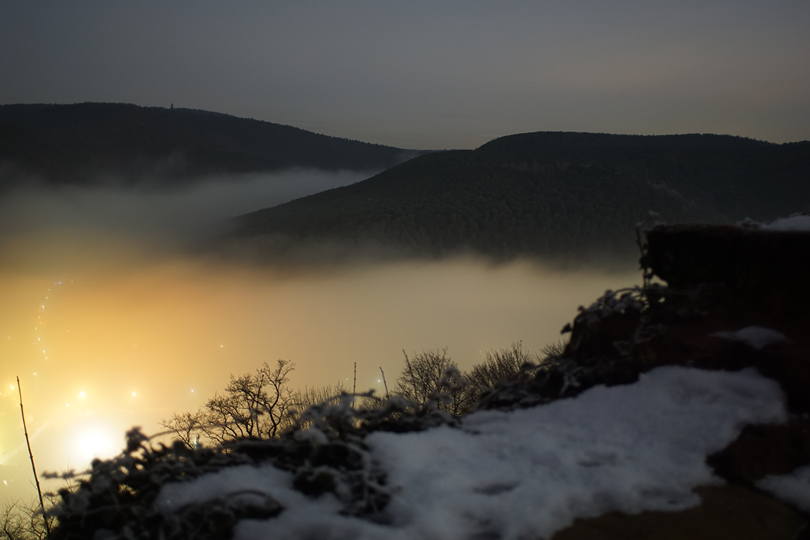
(148, 219)
(109, 325)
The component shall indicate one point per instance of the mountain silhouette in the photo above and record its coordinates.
(85, 142)
(547, 193)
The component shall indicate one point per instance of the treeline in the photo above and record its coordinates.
(543, 194)
(77, 143)
(262, 404)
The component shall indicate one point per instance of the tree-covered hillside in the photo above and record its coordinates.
(548, 194)
(78, 143)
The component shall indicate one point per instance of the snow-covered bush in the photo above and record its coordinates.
(324, 450)
(433, 378)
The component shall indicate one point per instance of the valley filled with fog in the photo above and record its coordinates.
(110, 321)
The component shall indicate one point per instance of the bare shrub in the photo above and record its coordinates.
(433, 377)
(500, 366)
(254, 406)
(20, 521)
(316, 395)
(552, 352)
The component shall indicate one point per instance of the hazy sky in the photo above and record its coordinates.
(428, 73)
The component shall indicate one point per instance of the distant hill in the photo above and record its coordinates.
(547, 193)
(79, 143)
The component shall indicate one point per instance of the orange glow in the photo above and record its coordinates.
(93, 441)
(125, 342)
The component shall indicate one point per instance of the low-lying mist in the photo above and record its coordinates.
(159, 217)
(109, 326)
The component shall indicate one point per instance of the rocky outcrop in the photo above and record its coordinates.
(740, 272)
(763, 450)
(727, 511)
(734, 298)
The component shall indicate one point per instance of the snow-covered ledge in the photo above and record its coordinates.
(528, 472)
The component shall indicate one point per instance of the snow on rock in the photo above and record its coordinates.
(792, 223)
(529, 472)
(302, 517)
(793, 488)
(757, 337)
(532, 471)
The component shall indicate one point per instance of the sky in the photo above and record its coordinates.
(428, 74)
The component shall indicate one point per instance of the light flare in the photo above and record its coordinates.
(93, 441)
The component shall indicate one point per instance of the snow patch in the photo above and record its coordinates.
(793, 488)
(302, 516)
(529, 472)
(792, 223)
(757, 337)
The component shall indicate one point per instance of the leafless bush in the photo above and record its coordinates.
(433, 377)
(500, 366)
(316, 395)
(187, 427)
(20, 521)
(257, 405)
(552, 352)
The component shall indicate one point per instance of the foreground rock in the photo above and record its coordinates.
(735, 298)
(724, 512)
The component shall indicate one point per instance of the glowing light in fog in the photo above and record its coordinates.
(93, 441)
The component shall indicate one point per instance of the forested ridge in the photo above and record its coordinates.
(78, 143)
(546, 193)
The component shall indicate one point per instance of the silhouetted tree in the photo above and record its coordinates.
(186, 426)
(256, 405)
